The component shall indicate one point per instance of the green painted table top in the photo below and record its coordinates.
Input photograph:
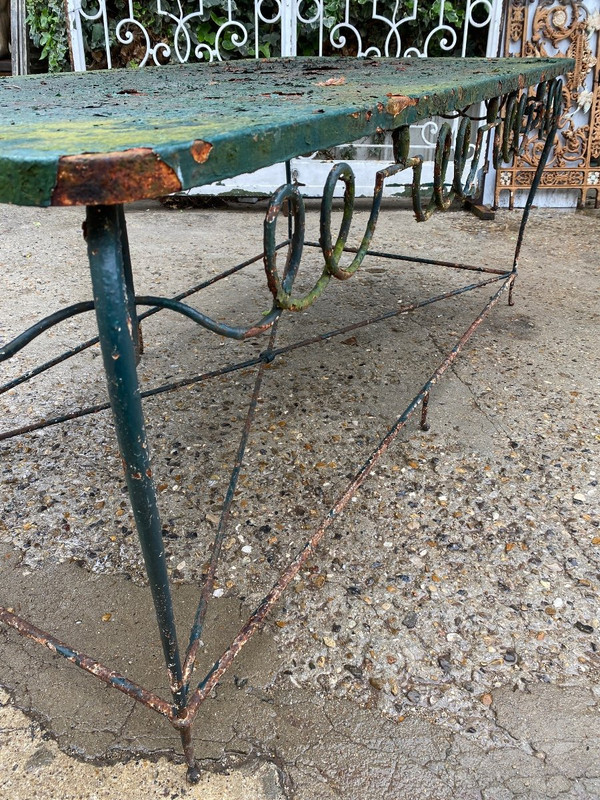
(122, 135)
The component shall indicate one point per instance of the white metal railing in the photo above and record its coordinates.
(243, 33)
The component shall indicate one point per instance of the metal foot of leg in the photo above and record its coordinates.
(424, 408)
(193, 773)
(511, 300)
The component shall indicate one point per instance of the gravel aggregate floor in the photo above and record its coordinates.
(468, 563)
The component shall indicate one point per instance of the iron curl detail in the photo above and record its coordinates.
(281, 288)
(332, 253)
(511, 119)
(441, 198)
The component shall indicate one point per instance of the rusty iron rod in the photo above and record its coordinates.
(26, 376)
(256, 620)
(252, 362)
(88, 664)
(196, 631)
(418, 260)
(168, 387)
(550, 137)
(424, 408)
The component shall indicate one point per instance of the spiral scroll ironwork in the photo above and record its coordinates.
(510, 120)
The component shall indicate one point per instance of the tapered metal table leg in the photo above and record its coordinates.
(128, 272)
(115, 328)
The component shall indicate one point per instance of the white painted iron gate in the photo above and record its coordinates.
(110, 33)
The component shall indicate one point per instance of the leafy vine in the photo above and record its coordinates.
(48, 28)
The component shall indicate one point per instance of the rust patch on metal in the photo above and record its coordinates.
(200, 151)
(257, 329)
(118, 177)
(398, 102)
(332, 81)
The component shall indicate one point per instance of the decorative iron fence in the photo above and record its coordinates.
(121, 32)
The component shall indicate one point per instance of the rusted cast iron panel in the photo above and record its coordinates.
(541, 28)
(188, 125)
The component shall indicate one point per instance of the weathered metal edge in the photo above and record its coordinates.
(146, 173)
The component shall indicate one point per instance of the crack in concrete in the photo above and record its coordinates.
(500, 429)
(344, 735)
(121, 732)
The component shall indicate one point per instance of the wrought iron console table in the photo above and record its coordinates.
(102, 139)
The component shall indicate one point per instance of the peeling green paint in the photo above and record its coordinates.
(252, 113)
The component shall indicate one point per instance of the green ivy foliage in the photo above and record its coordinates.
(48, 32)
(48, 29)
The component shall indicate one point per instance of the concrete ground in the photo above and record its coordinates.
(443, 643)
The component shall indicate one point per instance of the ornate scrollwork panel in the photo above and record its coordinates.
(564, 28)
(184, 30)
(512, 120)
